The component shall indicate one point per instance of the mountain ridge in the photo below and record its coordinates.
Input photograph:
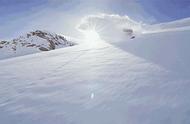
(33, 42)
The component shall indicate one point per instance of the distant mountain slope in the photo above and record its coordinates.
(175, 24)
(33, 42)
(178, 25)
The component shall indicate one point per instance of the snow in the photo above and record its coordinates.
(134, 81)
(30, 43)
(110, 26)
(178, 25)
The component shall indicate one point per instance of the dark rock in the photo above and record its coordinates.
(51, 45)
(31, 45)
(132, 37)
(43, 49)
(3, 42)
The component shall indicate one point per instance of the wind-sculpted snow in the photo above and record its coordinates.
(140, 81)
(111, 26)
(175, 24)
(114, 28)
(178, 25)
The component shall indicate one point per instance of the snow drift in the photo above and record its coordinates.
(144, 80)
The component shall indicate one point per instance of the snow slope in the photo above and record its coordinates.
(32, 42)
(145, 80)
(178, 25)
(175, 24)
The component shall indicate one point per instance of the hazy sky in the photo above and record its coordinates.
(17, 16)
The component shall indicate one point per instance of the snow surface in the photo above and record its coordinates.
(145, 80)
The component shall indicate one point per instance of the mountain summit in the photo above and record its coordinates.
(32, 42)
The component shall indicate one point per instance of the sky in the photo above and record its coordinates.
(62, 16)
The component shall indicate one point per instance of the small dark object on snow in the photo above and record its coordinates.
(43, 49)
(132, 37)
(128, 31)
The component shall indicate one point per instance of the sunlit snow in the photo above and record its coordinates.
(133, 80)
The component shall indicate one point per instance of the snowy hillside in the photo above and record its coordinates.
(178, 25)
(145, 80)
(32, 42)
(175, 24)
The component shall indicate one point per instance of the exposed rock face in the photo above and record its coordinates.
(33, 42)
(38, 39)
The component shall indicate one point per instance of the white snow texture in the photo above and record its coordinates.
(144, 80)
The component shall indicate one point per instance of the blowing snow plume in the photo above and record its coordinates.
(111, 27)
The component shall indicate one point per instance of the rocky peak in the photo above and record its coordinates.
(35, 41)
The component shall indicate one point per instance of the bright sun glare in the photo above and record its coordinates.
(91, 36)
